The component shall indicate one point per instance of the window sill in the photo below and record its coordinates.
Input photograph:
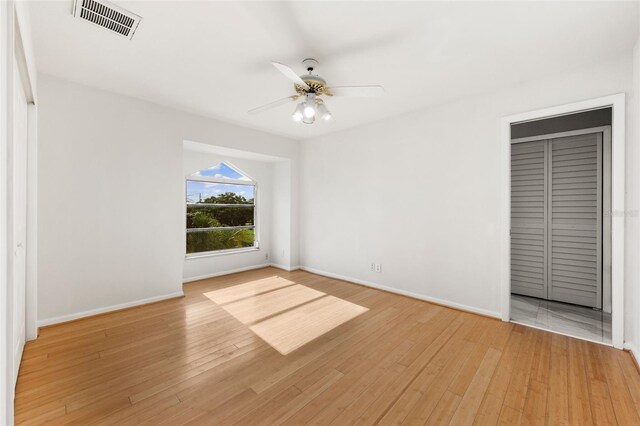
(220, 253)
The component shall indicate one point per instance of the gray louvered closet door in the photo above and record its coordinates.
(556, 219)
(575, 214)
(529, 218)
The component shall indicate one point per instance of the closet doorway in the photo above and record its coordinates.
(560, 224)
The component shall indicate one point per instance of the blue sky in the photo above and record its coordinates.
(221, 170)
(201, 190)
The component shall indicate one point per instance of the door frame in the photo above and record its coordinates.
(27, 71)
(617, 104)
(15, 45)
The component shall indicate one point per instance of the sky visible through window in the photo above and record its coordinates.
(221, 171)
(198, 191)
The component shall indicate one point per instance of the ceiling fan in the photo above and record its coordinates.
(310, 88)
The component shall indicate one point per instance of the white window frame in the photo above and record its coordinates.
(255, 227)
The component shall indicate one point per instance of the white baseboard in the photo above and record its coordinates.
(92, 312)
(633, 350)
(234, 271)
(284, 267)
(220, 273)
(435, 300)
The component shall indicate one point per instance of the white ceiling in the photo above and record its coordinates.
(213, 58)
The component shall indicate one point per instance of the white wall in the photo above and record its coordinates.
(111, 192)
(420, 193)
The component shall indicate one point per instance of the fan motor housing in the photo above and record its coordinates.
(317, 84)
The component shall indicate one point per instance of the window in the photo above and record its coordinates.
(221, 210)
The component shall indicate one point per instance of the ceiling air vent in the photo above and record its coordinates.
(107, 15)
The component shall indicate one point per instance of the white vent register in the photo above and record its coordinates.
(107, 15)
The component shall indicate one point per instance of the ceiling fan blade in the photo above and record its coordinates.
(357, 91)
(273, 104)
(290, 74)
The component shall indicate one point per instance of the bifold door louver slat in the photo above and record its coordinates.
(107, 15)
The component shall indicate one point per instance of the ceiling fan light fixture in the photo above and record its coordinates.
(309, 120)
(310, 106)
(324, 112)
(309, 110)
(298, 114)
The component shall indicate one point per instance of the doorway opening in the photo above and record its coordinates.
(560, 252)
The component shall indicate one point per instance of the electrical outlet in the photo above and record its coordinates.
(266, 256)
(372, 267)
(378, 267)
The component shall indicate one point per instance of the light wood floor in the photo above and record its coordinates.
(383, 359)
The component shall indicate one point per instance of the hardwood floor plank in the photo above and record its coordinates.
(445, 410)
(629, 371)
(535, 405)
(559, 382)
(518, 384)
(282, 407)
(399, 398)
(136, 413)
(446, 365)
(622, 401)
(326, 400)
(599, 396)
(580, 404)
(357, 382)
(489, 410)
(474, 394)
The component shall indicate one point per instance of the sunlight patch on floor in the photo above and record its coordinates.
(292, 329)
(284, 314)
(242, 291)
(257, 308)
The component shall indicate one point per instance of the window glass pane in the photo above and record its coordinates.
(223, 239)
(221, 171)
(216, 205)
(207, 216)
(219, 193)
